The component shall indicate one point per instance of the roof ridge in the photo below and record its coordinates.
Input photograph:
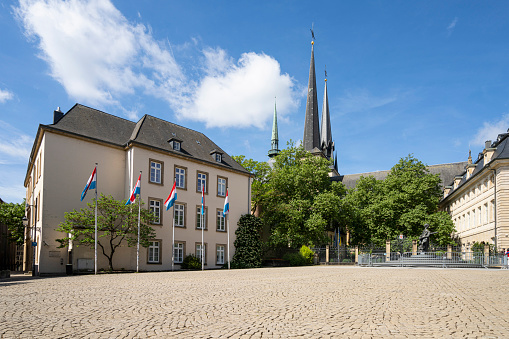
(97, 110)
(137, 128)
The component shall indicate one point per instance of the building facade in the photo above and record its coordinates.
(478, 197)
(64, 155)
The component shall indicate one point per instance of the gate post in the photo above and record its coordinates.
(414, 247)
(486, 254)
(356, 255)
(326, 254)
(449, 252)
(387, 250)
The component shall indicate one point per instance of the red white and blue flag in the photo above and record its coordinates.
(202, 199)
(172, 197)
(91, 183)
(136, 191)
(226, 208)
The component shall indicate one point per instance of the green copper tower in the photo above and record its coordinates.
(274, 150)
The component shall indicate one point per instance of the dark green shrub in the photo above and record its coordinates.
(307, 254)
(191, 262)
(248, 243)
(295, 259)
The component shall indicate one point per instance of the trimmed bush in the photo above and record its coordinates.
(248, 243)
(307, 254)
(191, 262)
(295, 259)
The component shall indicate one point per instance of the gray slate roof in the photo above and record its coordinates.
(445, 171)
(148, 131)
(501, 152)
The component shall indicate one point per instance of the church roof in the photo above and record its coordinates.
(445, 171)
(311, 137)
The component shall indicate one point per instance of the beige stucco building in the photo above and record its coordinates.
(64, 155)
(478, 198)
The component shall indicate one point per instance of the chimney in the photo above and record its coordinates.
(57, 115)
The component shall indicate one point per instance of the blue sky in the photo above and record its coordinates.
(429, 78)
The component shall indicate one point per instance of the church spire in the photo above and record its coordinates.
(326, 143)
(274, 150)
(311, 124)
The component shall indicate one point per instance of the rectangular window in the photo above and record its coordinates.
(218, 157)
(153, 252)
(479, 216)
(486, 213)
(202, 181)
(473, 218)
(176, 145)
(156, 172)
(198, 252)
(199, 218)
(155, 207)
(180, 177)
(492, 210)
(178, 252)
(220, 220)
(220, 254)
(222, 183)
(179, 215)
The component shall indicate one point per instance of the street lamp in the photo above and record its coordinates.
(33, 242)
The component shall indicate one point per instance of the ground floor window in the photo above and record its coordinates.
(153, 252)
(178, 252)
(220, 254)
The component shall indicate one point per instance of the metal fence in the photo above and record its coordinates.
(434, 259)
(337, 255)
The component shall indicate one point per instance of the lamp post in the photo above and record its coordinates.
(33, 242)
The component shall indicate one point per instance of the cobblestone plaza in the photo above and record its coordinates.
(320, 301)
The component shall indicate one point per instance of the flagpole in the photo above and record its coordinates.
(95, 245)
(228, 230)
(173, 233)
(138, 245)
(202, 249)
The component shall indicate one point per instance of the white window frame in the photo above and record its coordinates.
(176, 145)
(198, 218)
(198, 251)
(180, 177)
(154, 251)
(178, 252)
(220, 221)
(155, 208)
(201, 180)
(156, 172)
(179, 216)
(221, 186)
(220, 254)
(218, 157)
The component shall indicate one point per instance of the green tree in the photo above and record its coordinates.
(401, 204)
(259, 185)
(301, 204)
(116, 224)
(12, 214)
(248, 244)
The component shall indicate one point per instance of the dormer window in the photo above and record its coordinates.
(217, 155)
(175, 144)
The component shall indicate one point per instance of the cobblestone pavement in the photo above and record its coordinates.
(312, 302)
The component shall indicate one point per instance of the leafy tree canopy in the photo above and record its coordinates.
(259, 185)
(117, 224)
(12, 214)
(401, 204)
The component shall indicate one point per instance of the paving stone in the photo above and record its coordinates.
(308, 302)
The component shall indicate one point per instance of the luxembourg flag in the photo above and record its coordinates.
(202, 199)
(226, 208)
(172, 197)
(91, 183)
(136, 190)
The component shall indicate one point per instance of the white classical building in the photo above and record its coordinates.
(478, 198)
(64, 155)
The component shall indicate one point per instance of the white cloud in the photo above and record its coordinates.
(94, 52)
(239, 94)
(451, 26)
(490, 131)
(5, 95)
(15, 146)
(101, 58)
